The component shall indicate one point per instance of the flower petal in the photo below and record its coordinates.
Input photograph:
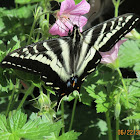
(106, 60)
(59, 29)
(80, 21)
(81, 8)
(111, 56)
(67, 6)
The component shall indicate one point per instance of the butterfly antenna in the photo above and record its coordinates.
(91, 15)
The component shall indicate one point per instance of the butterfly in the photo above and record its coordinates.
(64, 63)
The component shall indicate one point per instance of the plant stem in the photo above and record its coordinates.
(109, 126)
(117, 128)
(116, 5)
(122, 79)
(73, 112)
(31, 32)
(36, 16)
(62, 109)
(124, 86)
(132, 128)
(9, 105)
(28, 91)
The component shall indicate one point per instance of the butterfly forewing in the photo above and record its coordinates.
(105, 35)
(44, 58)
(102, 38)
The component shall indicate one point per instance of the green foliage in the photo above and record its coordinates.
(101, 86)
(15, 22)
(131, 55)
(16, 126)
(113, 96)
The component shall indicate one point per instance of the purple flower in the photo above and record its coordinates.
(111, 56)
(69, 15)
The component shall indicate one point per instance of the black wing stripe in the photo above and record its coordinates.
(125, 28)
(35, 58)
(91, 66)
(104, 38)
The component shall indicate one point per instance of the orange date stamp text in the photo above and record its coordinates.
(128, 132)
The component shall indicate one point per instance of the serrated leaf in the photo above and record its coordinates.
(137, 70)
(3, 123)
(38, 132)
(102, 107)
(36, 128)
(100, 86)
(71, 135)
(5, 135)
(131, 98)
(32, 123)
(129, 53)
(137, 67)
(136, 116)
(13, 44)
(134, 89)
(138, 75)
(21, 19)
(16, 120)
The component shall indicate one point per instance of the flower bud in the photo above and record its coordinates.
(117, 110)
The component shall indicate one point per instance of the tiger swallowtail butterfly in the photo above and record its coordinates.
(63, 63)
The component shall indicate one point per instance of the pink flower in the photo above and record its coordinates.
(69, 15)
(111, 56)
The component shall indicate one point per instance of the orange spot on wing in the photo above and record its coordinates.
(73, 83)
(63, 94)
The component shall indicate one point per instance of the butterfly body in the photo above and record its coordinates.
(64, 62)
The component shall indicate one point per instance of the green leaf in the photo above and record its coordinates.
(3, 80)
(77, 1)
(138, 75)
(71, 135)
(26, 1)
(2, 46)
(129, 53)
(2, 26)
(136, 116)
(39, 131)
(16, 120)
(134, 89)
(137, 70)
(21, 19)
(130, 100)
(13, 44)
(101, 86)
(102, 125)
(5, 136)
(3, 123)
(36, 128)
